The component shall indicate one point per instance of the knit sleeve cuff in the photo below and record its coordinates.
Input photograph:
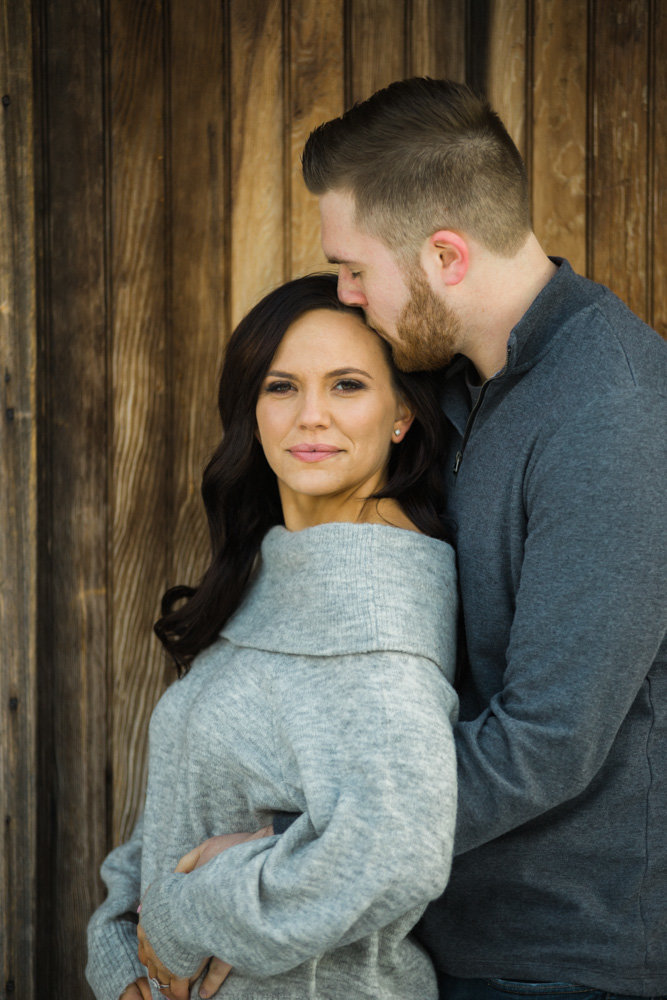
(112, 959)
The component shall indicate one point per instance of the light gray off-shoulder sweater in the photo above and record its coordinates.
(327, 694)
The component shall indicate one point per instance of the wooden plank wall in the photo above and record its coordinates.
(161, 198)
(18, 507)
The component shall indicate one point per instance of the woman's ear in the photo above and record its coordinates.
(402, 422)
(445, 257)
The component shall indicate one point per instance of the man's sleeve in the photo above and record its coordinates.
(590, 616)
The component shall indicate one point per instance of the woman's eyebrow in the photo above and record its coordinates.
(337, 372)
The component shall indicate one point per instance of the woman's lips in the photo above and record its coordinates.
(313, 452)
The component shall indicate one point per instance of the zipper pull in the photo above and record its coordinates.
(457, 463)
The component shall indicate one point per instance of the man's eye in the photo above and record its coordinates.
(355, 274)
(348, 385)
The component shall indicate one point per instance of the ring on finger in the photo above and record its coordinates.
(154, 981)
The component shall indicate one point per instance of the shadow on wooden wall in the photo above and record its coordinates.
(150, 192)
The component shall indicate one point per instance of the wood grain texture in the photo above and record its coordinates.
(560, 128)
(73, 640)
(619, 147)
(196, 279)
(377, 46)
(169, 198)
(18, 507)
(437, 39)
(658, 169)
(506, 67)
(316, 94)
(258, 160)
(140, 456)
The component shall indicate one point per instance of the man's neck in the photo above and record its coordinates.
(500, 292)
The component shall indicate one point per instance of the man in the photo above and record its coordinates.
(556, 483)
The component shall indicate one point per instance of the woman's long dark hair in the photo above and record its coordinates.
(240, 490)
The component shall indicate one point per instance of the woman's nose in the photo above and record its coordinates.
(314, 411)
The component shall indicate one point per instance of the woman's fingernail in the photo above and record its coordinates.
(139, 908)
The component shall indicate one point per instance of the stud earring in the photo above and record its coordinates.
(397, 431)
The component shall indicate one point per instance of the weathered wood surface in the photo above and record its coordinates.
(558, 135)
(657, 208)
(377, 34)
(169, 193)
(316, 94)
(258, 160)
(74, 512)
(18, 507)
(197, 274)
(618, 219)
(141, 423)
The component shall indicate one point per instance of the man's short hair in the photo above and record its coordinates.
(423, 155)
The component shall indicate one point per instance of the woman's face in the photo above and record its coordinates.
(327, 411)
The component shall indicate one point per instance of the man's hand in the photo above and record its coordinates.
(138, 990)
(210, 848)
(218, 970)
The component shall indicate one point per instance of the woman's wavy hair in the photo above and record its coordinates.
(240, 490)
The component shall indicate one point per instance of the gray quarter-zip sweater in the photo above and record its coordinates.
(328, 694)
(559, 504)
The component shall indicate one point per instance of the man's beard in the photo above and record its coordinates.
(428, 332)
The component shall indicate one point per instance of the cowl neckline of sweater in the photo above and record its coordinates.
(349, 588)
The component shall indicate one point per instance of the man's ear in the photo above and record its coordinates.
(445, 257)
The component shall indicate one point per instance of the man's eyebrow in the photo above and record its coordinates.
(341, 260)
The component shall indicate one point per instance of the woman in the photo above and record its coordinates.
(317, 655)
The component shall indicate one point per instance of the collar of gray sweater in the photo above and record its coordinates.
(350, 588)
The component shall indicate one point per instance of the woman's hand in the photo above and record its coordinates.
(217, 972)
(138, 990)
(176, 988)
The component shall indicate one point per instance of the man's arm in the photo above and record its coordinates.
(591, 614)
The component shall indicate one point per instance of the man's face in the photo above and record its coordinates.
(402, 307)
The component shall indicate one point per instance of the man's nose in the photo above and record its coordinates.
(349, 292)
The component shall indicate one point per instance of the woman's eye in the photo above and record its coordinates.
(348, 385)
(355, 274)
(279, 388)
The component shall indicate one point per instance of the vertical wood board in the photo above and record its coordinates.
(140, 454)
(316, 94)
(657, 207)
(258, 183)
(18, 506)
(437, 39)
(618, 220)
(560, 129)
(73, 566)
(506, 71)
(377, 46)
(196, 279)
